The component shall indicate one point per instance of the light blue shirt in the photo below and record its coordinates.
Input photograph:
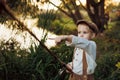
(89, 47)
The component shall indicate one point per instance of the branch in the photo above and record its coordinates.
(60, 9)
(82, 5)
(11, 14)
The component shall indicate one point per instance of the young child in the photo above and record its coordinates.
(83, 63)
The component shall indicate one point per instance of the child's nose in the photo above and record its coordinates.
(80, 35)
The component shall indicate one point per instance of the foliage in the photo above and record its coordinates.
(12, 60)
(63, 26)
(109, 54)
(35, 64)
(111, 33)
(42, 65)
(109, 40)
(16, 64)
(46, 18)
(65, 53)
(22, 8)
(49, 20)
(107, 69)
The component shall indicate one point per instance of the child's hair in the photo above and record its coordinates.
(91, 25)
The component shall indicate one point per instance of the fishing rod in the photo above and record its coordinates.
(6, 8)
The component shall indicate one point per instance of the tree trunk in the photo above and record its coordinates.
(96, 13)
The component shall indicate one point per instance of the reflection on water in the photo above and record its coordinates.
(24, 38)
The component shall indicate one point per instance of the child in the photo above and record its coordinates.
(83, 63)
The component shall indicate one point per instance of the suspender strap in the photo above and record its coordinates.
(84, 60)
(84, 66)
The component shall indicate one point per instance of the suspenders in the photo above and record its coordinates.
(84, 60)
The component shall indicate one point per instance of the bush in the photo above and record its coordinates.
(18, 64)
(109, 54)
(35, 64)
(65, 54)
(12, 61)
(106, 68)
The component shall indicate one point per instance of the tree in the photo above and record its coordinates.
(23, 8)
(97, 14)
(94, 8)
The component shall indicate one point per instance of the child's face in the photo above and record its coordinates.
(85, 32)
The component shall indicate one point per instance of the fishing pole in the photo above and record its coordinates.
(11, 13)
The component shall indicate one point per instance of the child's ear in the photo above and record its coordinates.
(93, 35)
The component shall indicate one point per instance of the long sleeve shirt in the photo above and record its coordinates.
(90, 49)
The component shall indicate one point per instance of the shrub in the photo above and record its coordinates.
(106, 68)
(109, 54)
(37, 64)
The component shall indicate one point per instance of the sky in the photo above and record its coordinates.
(57, 2)
(50, 6)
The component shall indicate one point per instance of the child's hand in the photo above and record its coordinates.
(70, 66)
(58, 39)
